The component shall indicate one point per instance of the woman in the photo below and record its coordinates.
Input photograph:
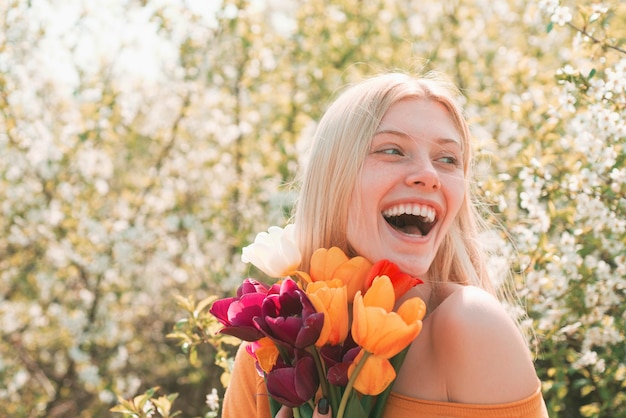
(389, 178)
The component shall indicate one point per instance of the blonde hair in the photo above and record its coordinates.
(340, 146)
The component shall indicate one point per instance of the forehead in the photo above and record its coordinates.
(419, 118)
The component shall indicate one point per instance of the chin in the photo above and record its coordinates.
(415, 269)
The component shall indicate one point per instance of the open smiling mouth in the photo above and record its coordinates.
(411, 219)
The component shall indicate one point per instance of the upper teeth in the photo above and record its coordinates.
(411, 209)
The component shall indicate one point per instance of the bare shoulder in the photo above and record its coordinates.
(480, 350)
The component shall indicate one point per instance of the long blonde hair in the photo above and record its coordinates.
(340, 146)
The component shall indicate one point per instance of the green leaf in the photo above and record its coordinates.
(591, 410)
(274, 406)
(193, 357)
(204, 303)
(185, 303)
(354, 407)
(230, 340)
(140, 400)
(550, 27)
(181, 323)
(178, 336)
(122, 409)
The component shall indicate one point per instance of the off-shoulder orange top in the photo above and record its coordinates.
(246, 397)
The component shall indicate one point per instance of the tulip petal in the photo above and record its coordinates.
(402, 282)
(353, 273)
(376, 374)
(330, 298)
(274, 252)
(326, 328)
(359, 325)
(280, 385)
(380, 332)
(237, 315)
(265, 352)
(393, 335)
(338, 371)
(252, 286)
(243, 333)
(325, 261)
(338, 374)
(381, 294)
(307, 380)
(289, 317)
(241, 312)
(219, 309)
(293, 386)
(412, 310)
(310, 331)
(284, 329)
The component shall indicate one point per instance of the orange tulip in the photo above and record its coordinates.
(333, 263)
(354, 274)
(265, 352)
(325, 261)
(379, 330)
(376, 374)
(330, 298)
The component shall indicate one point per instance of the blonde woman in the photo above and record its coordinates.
(389, 177)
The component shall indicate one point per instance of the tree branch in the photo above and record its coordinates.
(596, 40)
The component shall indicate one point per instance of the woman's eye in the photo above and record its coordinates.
(391, 151)
(449, 160)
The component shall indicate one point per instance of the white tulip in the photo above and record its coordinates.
(275, 252)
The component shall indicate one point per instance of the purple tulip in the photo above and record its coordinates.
(290, 318)
(237, 313)
(337, 374)
(252, 286)
(293, 386)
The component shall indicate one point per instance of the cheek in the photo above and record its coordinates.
(456, 195)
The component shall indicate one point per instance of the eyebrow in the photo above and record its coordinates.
(407, 136)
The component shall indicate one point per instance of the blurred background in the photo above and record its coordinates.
(143, 143)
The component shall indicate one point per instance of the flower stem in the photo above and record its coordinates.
(346, 393)
(320, 370)
(328, 391)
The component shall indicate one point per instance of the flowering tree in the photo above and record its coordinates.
(574, 194)
(122, 155)
(145, 142)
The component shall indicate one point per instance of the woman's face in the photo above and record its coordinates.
(411, 187)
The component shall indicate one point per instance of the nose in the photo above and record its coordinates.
(424, 175)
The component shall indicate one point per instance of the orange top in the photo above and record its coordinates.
(399, 406)
(247, 397)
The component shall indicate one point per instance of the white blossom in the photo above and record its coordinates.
(213, 400)
(561, 16)
(274, 252)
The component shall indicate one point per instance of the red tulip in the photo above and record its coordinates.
(401, 282)
(289, 317)
(237, 313)
(337, 373)
(294, 385)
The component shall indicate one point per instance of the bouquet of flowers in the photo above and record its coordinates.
(331, 331)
